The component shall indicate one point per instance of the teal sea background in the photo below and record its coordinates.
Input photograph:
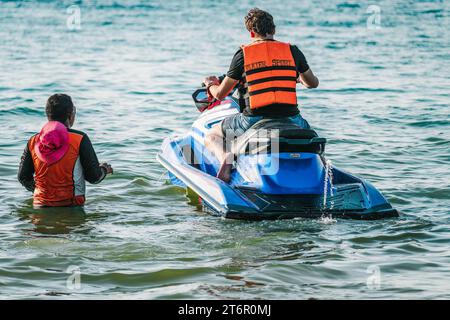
(383, 105)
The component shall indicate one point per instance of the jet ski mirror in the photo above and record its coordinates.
(201, 99)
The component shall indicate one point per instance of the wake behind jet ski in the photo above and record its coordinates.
(280, 171)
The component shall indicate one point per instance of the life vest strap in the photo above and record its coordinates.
(271, 68)
(279, 78)
(256, 92)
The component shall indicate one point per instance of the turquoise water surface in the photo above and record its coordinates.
(130, 66)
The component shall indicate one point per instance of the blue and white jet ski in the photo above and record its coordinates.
(280, 172)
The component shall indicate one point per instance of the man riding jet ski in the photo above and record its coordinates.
(266, 72)
(273, 165)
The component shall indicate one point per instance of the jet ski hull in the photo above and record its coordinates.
(191, 166)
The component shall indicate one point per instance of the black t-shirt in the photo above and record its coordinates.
(236, 72)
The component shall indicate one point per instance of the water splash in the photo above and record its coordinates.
(327, 219)
(328, 184)
(330, 179)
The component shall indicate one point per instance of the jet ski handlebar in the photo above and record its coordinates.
(200, 96)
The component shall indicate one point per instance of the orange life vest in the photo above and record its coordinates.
(61, 183)
(270, 73)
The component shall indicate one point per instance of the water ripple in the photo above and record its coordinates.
(131, 71)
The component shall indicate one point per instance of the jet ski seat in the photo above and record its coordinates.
(279, 136)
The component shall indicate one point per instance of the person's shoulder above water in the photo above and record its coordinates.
(81, 133)
(81, 137)
(34, 136)
(94, 172)
(86, 147)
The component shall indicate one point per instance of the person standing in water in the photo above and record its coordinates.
(267, 72)
(57, 161)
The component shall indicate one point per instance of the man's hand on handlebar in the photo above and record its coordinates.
(211, 80)
(208, 82)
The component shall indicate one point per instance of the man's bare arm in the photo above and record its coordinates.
(221, 91)
(308, 79)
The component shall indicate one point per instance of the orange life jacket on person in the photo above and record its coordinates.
(61, 183)
(270, 72)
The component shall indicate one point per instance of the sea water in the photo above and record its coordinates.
(131, 66)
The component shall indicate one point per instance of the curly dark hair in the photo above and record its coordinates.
(260, 22)
(59, 107)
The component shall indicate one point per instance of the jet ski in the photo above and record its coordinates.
(280, 172)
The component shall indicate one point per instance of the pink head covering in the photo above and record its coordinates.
(52, 142)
